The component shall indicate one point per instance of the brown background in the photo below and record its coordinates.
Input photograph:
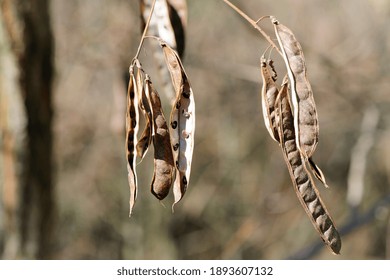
(240, 203)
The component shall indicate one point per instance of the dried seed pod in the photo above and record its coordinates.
(303, 183)
(274, 73)
(131, 136)
(164, 169)
(178, 16)
(144, 141)
(168, 22)
(305, 112)
(269, 92)
(160, 24)
(317, 172)
(145, 106)
(182, 126)
(175, 67)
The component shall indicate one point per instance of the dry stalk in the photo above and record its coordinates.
(145, 30)
(254, 24)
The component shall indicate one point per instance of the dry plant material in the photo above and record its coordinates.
(173, 142)
(317, 172)
(295, 127)
(164, 169)
(302, 181)
(269, 92)
(305, 112)
(160, 23)
(146, 108)
(182, 127)
(178, 14)
(131, 136)
(168, 23)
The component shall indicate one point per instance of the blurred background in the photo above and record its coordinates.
(65, 194)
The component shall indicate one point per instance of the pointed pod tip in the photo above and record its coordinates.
(336, 250)
(174, 204)
(173, 208)
(335, 244)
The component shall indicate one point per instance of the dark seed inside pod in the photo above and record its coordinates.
(186, 94)
(174, 124)
(184, 180)
(132, 113)
(178, 105)
(176, 146)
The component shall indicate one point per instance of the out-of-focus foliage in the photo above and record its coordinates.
(240, 203)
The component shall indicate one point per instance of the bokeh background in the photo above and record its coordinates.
(240, 203)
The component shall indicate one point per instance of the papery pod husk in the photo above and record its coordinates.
(304, 186)
(164, 168)
(317, 172)
(132, 118)
(305, 112)
(145, 140)
(169, 23)
(182, 125)
(178, 13)
(269, 92)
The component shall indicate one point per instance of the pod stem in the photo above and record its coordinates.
(254, 24)
(145, 30)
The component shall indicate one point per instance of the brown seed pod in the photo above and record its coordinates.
(174, 66)
(303, 183)
(164, 169)
(144, 104)
(182, 126)
(144, 141)
(131, 136)
(273, 70)
(169, 23)
(269, 92)
(178, 15)
(305, 112)
(317, 172)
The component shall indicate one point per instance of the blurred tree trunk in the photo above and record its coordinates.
(12, 123)
(29, 32)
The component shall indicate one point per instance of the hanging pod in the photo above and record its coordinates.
(182, 123)
(269, 91)
(303, 183)
(132, 117)
(164, 169)
(145, 106)
(305, 112)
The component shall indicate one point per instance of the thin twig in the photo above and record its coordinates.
(145, 30)
(254, 24)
